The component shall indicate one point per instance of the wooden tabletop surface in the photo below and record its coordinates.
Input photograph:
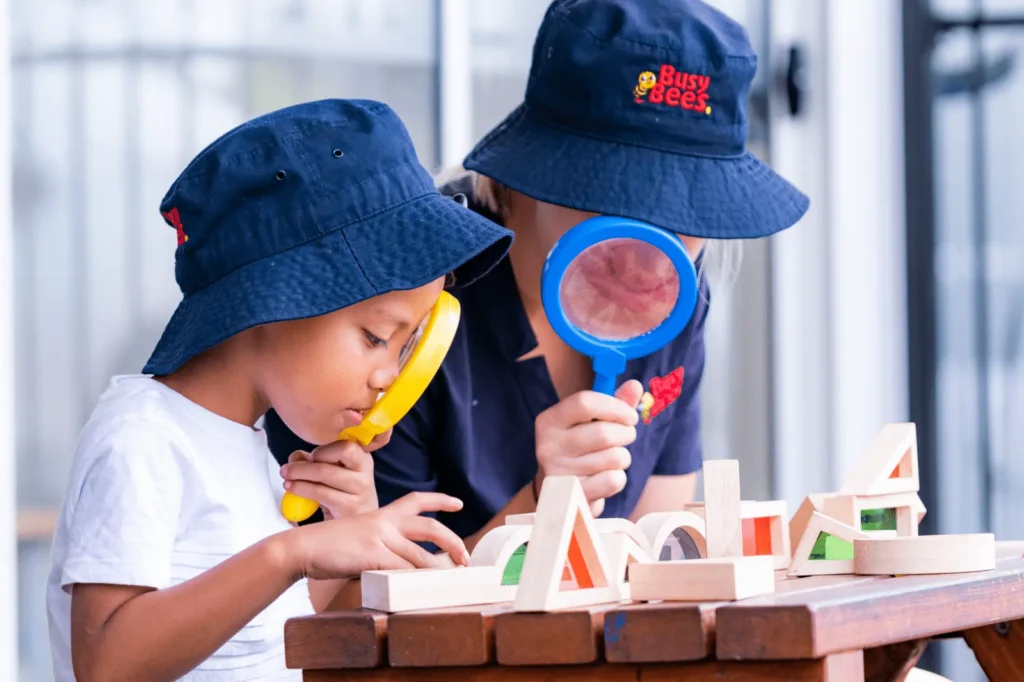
(807, 622)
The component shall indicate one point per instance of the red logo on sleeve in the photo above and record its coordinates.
(664, 391)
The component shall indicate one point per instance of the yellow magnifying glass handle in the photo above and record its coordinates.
(396, 402)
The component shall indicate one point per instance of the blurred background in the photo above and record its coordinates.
(900, 296)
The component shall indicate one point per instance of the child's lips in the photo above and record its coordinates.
(353, 417)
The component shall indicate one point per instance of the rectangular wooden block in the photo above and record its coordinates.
(723, 509)
(416, 589)
(703, 579)
(925, 555)
(898, 511)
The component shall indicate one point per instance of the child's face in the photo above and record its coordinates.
(322, 374)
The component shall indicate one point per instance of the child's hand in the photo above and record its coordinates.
(338, 475)
(586, 434)
(381, 539)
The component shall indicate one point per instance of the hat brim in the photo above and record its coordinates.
(324, 275)
(701, 196)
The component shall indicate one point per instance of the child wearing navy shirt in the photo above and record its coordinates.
(633, 108)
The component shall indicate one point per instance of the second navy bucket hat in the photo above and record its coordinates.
(637, 108)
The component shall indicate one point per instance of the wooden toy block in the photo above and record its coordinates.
(669, 531)
(726, 579)
(875, 512)
(814, 502)
(565, 563)
(519, 519)
(615, 526)
(889, 465)
(722, 522)
(504, 547)
(765, 531)
(919, 508)
(826, 547)
(623, 552)
(414, 589)
(925, 554)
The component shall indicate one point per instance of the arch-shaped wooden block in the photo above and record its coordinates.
(498, 547)
(659, 526)
(613, 526)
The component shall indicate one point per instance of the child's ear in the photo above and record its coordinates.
(449, 280)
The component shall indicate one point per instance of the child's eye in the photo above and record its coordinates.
(375, 341)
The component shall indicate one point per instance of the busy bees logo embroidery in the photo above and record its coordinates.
(674, 88)
(663, 392)
(175, 220)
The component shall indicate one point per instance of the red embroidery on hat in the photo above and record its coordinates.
(175, 220)
(664, 391)
(674, 88)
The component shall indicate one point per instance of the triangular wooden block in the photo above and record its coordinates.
(826, 547)
(889, 465)
(564, 534)
(623, 551)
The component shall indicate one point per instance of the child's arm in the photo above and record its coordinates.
(123, 632)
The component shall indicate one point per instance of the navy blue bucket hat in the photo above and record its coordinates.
(637, 108)
(302, 212)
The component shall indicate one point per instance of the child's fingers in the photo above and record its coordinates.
(346, 453)
(426, 529)
(599, 435)
(300, 456)
(409, 551)
(596, 462)
(324, 495)
(603, 484)
(379, 441)
(587, 406)
(330, 475)
(414, 504)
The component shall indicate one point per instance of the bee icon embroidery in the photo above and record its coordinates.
(645, 82)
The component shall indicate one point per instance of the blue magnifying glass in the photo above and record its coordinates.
(615, 289)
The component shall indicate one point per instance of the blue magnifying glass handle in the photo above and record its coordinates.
(608, 365)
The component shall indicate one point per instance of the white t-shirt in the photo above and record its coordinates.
(161, 490)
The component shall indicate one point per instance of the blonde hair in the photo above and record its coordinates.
(722, 258)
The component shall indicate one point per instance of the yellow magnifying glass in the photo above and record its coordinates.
(437, 332)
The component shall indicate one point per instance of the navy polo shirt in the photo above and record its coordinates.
(471, 435)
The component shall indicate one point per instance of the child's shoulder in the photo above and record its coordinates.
(135, 413)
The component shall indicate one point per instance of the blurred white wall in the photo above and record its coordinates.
(8, 523)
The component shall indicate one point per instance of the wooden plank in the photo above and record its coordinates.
(666, 632)
(893, 662)
(999, 649)
(443, 637)
(339, 639)
(568, 637)
(802, 626)
(846, 667)
(660, 632)
(723, 525)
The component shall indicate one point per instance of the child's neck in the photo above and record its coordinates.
(217, 381)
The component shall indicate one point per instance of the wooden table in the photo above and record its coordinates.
(818, 628)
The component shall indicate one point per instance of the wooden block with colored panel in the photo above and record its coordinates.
(765, 531)
(897, 512)
(826, 547)
(565, 563)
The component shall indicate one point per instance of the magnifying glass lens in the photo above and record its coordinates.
(619, 289)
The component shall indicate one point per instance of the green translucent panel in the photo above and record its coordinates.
(878, 519)
(830, 548)
(514, 567)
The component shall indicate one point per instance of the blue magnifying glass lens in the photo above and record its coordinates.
(619, 289)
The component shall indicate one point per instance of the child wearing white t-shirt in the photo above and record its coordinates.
(311, 244)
